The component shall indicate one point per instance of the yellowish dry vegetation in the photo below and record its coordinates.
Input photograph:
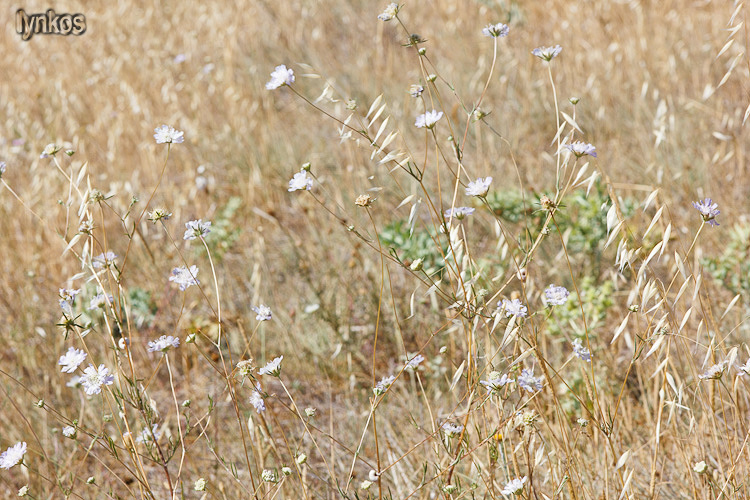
(663, 97)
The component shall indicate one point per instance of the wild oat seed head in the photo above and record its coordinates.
(479, 187)
(709, 210)
(168, 135)
(498, 30)
(428, 119)
(279, 77)
(547, 53)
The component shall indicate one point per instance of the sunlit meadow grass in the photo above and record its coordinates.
(359, 250)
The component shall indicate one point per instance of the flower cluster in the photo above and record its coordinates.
(547, 53)
(709, 210)
(479, 187)
(279, 77)
(168, 135)
(71, 360)
(185, 277)
(272, 368)
(579, 149)
(163, 344)
(94, 378)
(513, 307)
(498, 30)
(300, 182)
(263, 313)
(428, 119)
(196, 229)
(528, 382)
(580, 351)
(384, 384)
(556, 295)
(389, 13)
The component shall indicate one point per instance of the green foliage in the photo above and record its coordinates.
(223, 230)
(421, 244)
(732, 267)
(142, 307)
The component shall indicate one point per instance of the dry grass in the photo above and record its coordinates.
(660, 100)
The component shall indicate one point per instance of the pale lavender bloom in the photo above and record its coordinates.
(74, 382)
(498, 30)
(528, 382)
(451, 429)
(581, 351)
(49, 151)
(416, 90)
(179, 58)
(714, 372)
(556, 295)
(185, 277)
(148, 436)
(104, 260)
(300, 182)
(168, 135)
(256, 399)
(479, 187)
(68, 294)
(384, 384)
(196, 229)
(3, 166)
(272, 368)
(458, 212)
(547, 53)
(71, 360)
(94, 378)
(281, 76)
(414, 362)
(13, 455)
(389, 13)
(744, 369)
(513, 307)
(428, 119)
(263, 312)
(579, 149)
(514, 486)
(495, 384)
(163, 343)
(708, 209)
(69, 431)
(100, 301)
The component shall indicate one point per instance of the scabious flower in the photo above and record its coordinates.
(100, 301)
(556, 295)
(13, 455)
(168, 135)
(581, 351)
(263, 312)
(496, 382)
(714, 372)
(384, 384)
(514, 486)
(159, 214)
(94, 378)
(300, 182)
(148, 436)
(479, 187)
(700, 467)
(268, 475)
(458, 212)
(528, 381)
(708, 209)
(50, 150)
(196, 229)
(416, 90)
(547, 53)
(281, 76)
(163, 343)
(389, 13)
(71, 360)
(498, 30)
(744, 369)
(579, 149)
(428, 119)
(414, 362)
(513, 307)
(200, 484)
(185, 277)
(69, 431)
(256, 399)
(104, 260)
(451, 429)
(272, 368)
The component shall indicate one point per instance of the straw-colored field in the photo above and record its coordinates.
(629, 383)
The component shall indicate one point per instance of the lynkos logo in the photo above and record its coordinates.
(49, 23)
